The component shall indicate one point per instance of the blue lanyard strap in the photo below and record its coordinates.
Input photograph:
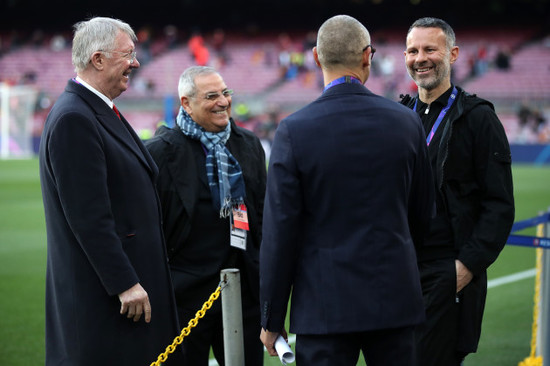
(450, 102)
(344, 79)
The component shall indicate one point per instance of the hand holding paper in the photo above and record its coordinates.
(283, 350)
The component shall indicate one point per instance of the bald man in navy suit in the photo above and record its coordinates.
(349, 195)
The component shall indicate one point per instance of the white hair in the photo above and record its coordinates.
(96, 34)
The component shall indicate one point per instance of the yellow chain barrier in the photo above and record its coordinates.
(185, 331)
(532, 360)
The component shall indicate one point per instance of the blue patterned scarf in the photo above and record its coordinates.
(223, 171)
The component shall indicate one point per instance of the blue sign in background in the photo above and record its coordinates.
(534, 154)
(530, 241)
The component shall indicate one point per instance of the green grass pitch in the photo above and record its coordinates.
(507, 323)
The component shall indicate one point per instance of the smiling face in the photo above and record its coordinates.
(118, 66)
(428, 59)
(213, 113)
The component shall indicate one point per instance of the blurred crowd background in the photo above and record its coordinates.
(263, 50)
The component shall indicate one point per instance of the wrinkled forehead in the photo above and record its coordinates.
(210, 83)
(123, 41)
(422, 36)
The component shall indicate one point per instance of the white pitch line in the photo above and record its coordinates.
(490, 284)
(512, 278)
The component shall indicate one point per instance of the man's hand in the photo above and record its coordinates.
(268, 339)
(463, 276)
(135, 302)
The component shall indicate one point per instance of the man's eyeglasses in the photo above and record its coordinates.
(372, 50)
(214, 96)
(131, 56)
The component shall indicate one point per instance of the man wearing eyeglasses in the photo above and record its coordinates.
(109, 297)
(348, 199)
(211, 185)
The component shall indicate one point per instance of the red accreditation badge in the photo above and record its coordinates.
(240, 217)
(239, 227)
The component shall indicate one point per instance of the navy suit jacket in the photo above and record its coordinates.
(349, 194)
(104, 232)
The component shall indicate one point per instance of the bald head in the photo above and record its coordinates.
(341, 41)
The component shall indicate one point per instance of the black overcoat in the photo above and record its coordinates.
(178, 187)
(104, 235)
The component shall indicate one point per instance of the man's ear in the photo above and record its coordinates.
(185, 104)
(98, 60)
(316, 56)
(454, 54)
(367, 60)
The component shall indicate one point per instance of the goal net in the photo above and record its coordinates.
(17, 104)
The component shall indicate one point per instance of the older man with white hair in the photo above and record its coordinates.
(109, 299)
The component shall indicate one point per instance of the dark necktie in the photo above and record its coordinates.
(116, 111)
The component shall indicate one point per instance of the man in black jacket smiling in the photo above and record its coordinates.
(211, 185)
(471, 165)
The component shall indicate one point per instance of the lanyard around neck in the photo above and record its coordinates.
(450, 102)
(344, 79)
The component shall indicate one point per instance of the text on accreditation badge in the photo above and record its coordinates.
(239, 226)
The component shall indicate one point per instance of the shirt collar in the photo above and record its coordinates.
(95, 91)
(342, 80)
(444, 98)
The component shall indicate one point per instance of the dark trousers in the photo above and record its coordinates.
(209, 333)
(388, 347)
(437, 338)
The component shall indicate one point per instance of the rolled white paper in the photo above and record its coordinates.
(283, 350)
